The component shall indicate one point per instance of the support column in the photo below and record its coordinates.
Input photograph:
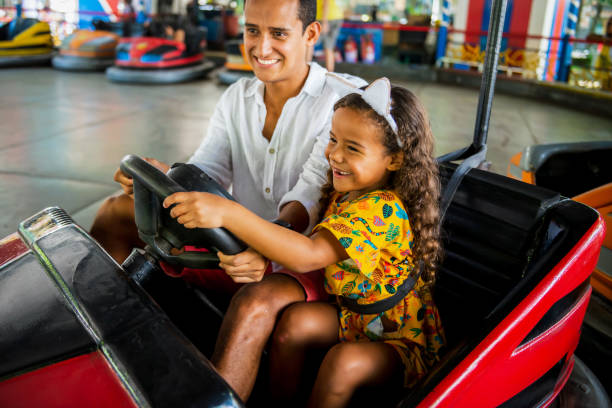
(443, 31)
(18, 9)
(565, 54)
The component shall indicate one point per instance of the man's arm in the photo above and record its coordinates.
(295, 214)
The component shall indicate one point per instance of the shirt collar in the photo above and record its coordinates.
(315, 82)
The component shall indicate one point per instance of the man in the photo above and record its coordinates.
(266, 139)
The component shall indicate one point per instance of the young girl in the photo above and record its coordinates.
(378, 243)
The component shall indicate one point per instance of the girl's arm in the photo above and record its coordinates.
(288, 248)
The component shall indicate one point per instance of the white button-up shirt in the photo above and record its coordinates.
(264, 175)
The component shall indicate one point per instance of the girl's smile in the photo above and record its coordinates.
(339, 173)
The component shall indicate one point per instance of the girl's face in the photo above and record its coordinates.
(356, 154)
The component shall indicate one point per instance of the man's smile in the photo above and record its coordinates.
(266, 61)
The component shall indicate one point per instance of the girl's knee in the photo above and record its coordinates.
(348, 366)
(346, 356)
(345, 367)
(307, 325)
(293, 327)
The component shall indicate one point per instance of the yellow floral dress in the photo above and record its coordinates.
(375, 232)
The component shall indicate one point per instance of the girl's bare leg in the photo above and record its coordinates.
(348, 366)
(303, 326)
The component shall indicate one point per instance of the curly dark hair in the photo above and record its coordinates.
(417, 181)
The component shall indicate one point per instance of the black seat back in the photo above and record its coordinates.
(502, 237)
(489, 235)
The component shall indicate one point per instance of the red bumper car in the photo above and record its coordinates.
(161, 60)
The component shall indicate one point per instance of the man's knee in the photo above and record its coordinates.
(114, 227)
(264, 300)
(114, 212)
(119, 206)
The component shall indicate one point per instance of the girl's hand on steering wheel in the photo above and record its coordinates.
(196, 209)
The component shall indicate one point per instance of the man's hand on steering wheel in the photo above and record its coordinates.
(126, 182)
(245, 267)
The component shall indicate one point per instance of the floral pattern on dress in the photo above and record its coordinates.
(374, 230)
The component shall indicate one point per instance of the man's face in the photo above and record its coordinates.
(274, 41)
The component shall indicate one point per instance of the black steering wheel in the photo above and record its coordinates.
(159, 230)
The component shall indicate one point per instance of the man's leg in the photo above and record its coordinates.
(248, 324)
(114, 227)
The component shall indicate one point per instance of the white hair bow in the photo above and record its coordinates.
(377, 95)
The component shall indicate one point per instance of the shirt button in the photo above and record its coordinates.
(272, 151)
(267, 189)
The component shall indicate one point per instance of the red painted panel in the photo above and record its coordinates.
(114, 6)
(500, 361)
(474, 21)
(11, 247)
(83, 381)
(519, 23)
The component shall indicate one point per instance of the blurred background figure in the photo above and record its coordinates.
(127, 16)
(18, 8)
(192, 12)
(330, 15)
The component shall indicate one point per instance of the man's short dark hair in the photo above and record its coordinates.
(307, 12)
